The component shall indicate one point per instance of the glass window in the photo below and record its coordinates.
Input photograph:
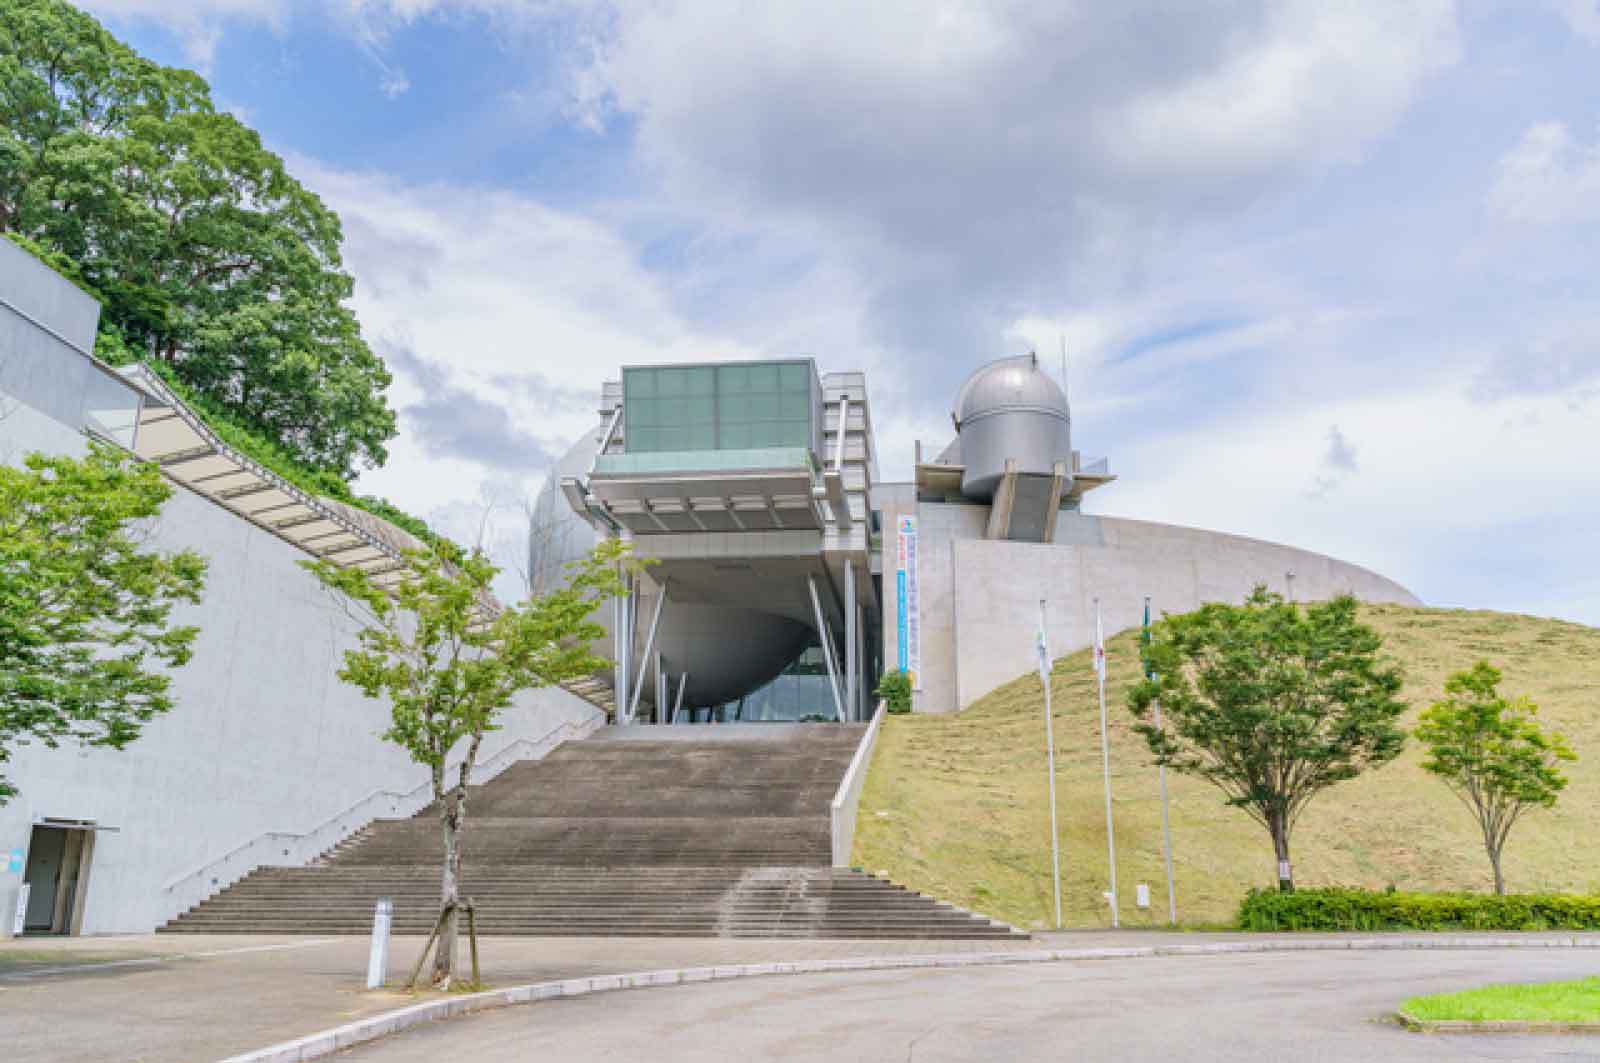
(763, 377)
(726, 407)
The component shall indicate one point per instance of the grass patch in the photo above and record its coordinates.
(955, 804)
(1575, 1001)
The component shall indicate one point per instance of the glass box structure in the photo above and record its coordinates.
(743, 406)
(746, 486)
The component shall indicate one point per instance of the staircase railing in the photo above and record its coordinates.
(847, 799)
(281, 848)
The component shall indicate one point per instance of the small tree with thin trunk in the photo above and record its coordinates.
(1492, 754)
(450, 660)
(1270, 703)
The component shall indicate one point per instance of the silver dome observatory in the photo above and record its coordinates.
(1011, 411)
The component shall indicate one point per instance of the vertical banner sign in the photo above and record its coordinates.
(907, 603)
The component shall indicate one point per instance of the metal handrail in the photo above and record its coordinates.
(484, 771)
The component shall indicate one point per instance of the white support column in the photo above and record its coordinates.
(621, 643)
(677, 706)
(838, 440)
(852, 681)
(661, 691)
(826, 638)
(644, 661)
(860, 708)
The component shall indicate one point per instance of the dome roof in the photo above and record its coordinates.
(1010, 384)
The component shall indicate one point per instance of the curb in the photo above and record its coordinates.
(326, 1042)
(1416, 1025)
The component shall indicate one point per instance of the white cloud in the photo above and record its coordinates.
(1582, 15)
(501, 318)
(1549, 177)
(972, 165)
(198, 23)
(1316, 81)
(1468, 504)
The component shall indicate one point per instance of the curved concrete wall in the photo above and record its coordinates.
(980, 597)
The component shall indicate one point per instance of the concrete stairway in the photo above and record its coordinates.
(711, 832)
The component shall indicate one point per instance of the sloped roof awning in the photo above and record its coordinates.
(190, 452)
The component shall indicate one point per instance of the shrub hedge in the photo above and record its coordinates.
(1355, 909)
(895, 689)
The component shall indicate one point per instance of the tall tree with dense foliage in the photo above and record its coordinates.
(450, 661)
(1271, 703)
(212, 262)
(86, 636)
(1493, 755)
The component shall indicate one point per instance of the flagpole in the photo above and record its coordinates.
(1105, 758)
(1050, 749)
(1166, 820)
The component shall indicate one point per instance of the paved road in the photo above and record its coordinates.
(1305, 1008)
(180, 998)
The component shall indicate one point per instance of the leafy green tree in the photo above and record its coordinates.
(1492, 754)
(1270, 703)
(85, 609)
(450, 662)
(210, 260)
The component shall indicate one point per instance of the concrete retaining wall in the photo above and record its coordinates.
(264, 737)
(980, 597)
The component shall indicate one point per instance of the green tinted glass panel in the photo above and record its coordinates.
(795, 407)
(639, 383)
(687, 408)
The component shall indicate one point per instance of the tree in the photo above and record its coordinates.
(1492, 754)
(85, 610)
(211, 262)
(1270, 703)
(450, 660)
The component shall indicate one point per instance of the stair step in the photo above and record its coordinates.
(614, 836)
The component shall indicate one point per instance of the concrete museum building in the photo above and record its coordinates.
(785, 578)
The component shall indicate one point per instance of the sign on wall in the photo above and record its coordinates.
(907, 601)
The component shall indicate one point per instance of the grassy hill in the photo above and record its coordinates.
(956, 805)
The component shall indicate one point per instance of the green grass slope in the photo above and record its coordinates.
(955, 805)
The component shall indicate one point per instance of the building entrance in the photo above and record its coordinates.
(56, 874)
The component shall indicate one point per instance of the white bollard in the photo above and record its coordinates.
(20, 921)
(378, 958)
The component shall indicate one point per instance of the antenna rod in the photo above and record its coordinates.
(1065, 390)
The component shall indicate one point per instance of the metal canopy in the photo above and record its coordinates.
(191, 453)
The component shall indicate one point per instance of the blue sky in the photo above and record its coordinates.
(1325, 272)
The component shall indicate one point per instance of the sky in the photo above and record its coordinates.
(1324, 274)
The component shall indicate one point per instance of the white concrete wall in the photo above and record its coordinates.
(264, 737)
(980, 597)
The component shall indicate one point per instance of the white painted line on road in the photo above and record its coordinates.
(286, 946)
(326, 1042)
(156, 961)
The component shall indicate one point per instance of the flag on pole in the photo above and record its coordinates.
(1144, 641)
(1044, 655)
(1099, 646)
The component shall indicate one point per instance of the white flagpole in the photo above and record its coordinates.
(1050, 749)
(1105, 757)
(1166, 820)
